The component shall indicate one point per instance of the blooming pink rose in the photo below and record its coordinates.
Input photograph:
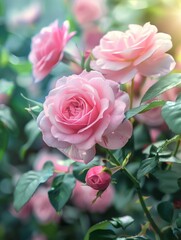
(83, 110)
(83, 197)
(88, 11)
(98, 178)
(47, 48)
(121, 55)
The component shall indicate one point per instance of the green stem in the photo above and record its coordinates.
(138, 188)
(142, 202)
(113, 160)
(131, 93)
(176, 148)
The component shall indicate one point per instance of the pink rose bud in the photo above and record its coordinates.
(47, 48)
(98, 177)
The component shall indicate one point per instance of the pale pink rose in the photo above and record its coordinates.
(83, 197)
(92, 36)
(98, 178)
(88, 11)
(42, 207)
(141, 49)
(45, 156)
(47, 48)
(83, 110)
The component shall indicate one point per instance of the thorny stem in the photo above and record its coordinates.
(142, 202)
(131, 93)
(138, 189)
(176, 148)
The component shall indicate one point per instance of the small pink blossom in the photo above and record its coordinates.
(83, 110)
(83, 197)
(88, 11)
(141, 49)
(98, 178)
(47, 48)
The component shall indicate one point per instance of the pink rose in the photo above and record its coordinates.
(83, 110)
(42, 207)
(121, 55)
(83, 197)
(98, 177)
(92, 36)
(88, 11)
(45, 156)
(47, 48)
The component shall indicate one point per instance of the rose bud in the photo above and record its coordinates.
(98, 177)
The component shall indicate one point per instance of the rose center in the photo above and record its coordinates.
(74, 108)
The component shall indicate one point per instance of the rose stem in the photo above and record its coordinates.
(138, 189)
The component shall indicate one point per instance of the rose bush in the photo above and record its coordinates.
(83, 110)
(121, 55)
(47, 48)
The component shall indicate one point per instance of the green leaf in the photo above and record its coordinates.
(102, 234)
(6, 87)
(122, 222)
(168, 179)
(141, 136)
(6, 118)
(144, 108)
(134, 238)
(147, 166)
(178, 222)
(35, 109)
(28, 184)
(163, 84)
(171, 113)
(61, 190)
(80, 169)
(32, 131)
(168, 234)
(165, 210)
(32, 101)
(3, 143)
(179, 182)
(112, 226)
